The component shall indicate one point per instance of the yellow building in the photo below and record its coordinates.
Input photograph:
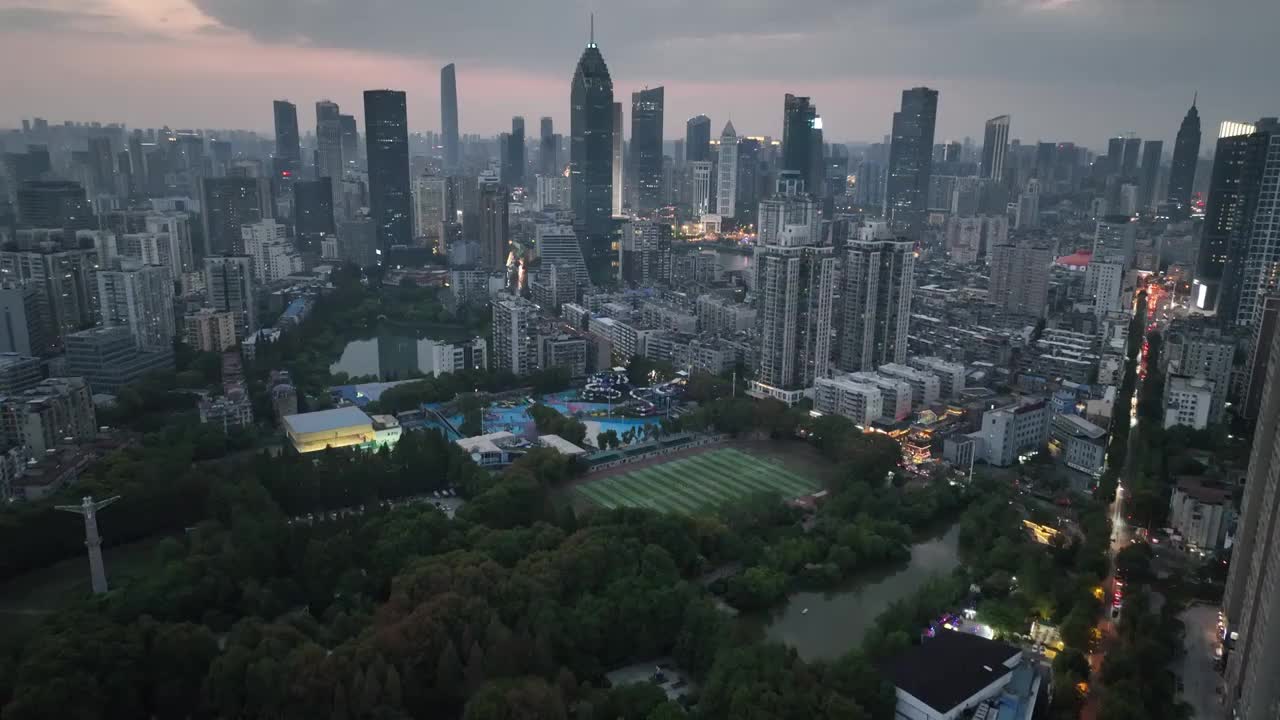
(340, 427)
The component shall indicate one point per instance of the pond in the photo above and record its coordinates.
(387, 357)
(836, 621)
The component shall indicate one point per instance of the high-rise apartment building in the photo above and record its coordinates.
(592, 129)
(229, 282)
(139, 297)
(646, 147)
(515, 335)
(66, 280)
(1020, 277)
(727, 173)
(495, 228)
(387, 148)
(274, 257)
(644, 255)
(911, 157)
(433, 204)
(995, 147)
(228, 203)
(449, 117)
(878, 275)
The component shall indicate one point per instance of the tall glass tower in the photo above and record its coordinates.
(449, 116)
(911, 157)
(387, 147)
(591, 159)
(1186, 153)
(646, 146)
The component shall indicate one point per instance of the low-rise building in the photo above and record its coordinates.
(950, 375)
(337, 428)
(954, 674)
(209, 330)
(895, 394)
(848, 397)
(19, 373)
(108, 358)
(44, 416)
(1201, 511)
(1080, 444)
(1012, 430)
(470, 354)
(227, 411)
(925, 386)
(502, 448)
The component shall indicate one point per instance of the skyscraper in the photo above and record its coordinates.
(1129, 162)
(495, 230)
(1238, 165)
(313, 208)
(591, 159)
(1262, 249)
(1152, 150)
(513, 163)
(229, 280)
(515, 335)
(727, 173)
(329, 144)
(548, 149)
(1251, 608)
(798, 119)
(350, 141)
(387, 147)
(697, 139)
(911, 157)
(995, 147)
(646, 146)
(229, 203)
(618, 164)
(878, 274)
(1186, 154)
(645, 253)
(449, 116)
(287, 143)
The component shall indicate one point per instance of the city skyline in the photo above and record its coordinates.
(281, 53)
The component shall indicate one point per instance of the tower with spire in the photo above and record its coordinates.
(591, 158)
(1186, 153)
(727, 174)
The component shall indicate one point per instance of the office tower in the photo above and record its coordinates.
(288, 147)
(350, 142)
(66, 279)
(358, 242)
(697, 139)
(591, 151)
(513, 161)
(54, 204)
(799, 118)
(1129, 162)
(644, 255)
(877, 303)
(748, 182)
(617, 160)
(1151, 155)
(548, 149)
(1115, 236)
(449, 116)
(558, 247)
(700, 174)
(226, 204)
(911, 157)
(646, 147)
(101, 166)
(313, 208)
(1115, 155)
(515, 325)
(727, 173)
(139, 297)
(25, 326)
(433, 203)
(1251, 607)
(274, 257)
(1020, 278)
(1186, 155)
(387, 148)
(1028, 216)
(108, 358)
(495, 232)
(1046, 155)
(329, 145)
(1223, 274)
(229, 282)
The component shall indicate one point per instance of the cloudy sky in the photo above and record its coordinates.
(1077, 70)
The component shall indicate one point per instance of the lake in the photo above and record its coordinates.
(387, 357)
(838, 619)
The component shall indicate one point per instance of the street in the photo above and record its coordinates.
(1200, 679)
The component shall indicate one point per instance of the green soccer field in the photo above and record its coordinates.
(697, 483)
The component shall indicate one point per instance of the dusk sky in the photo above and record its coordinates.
(1077, 70)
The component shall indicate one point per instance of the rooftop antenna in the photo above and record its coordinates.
(89, 509)
(592, 37)
(1195, 96)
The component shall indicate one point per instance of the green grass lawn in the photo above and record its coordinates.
(693, 484)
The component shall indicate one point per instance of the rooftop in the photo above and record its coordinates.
(945, 671)
(323, 420)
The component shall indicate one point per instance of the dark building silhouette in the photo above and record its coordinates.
(1115, 155)
(1129, 163)
(387, 150)
(288, 148)
(548, 149)
(495, 229)
(449, 116)
(1186, 153)
(911, 157)
(798, 140)
(350, 140)
(1238, 164)
(697, 139)
(226, 205)
(591, 160)
(513, 156)
(646, 147)
(313, 207)
(1152, 150)
(54, 204)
